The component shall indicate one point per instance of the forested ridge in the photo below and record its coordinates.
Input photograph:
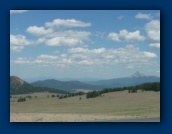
(154, 86)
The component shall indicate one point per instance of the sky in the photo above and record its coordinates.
(99, 44)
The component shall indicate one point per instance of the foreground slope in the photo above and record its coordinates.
(110, 106)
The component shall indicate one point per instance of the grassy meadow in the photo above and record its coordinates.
(143, 104)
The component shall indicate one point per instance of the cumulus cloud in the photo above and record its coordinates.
(155, 45)
(153, 32)
(50, 37)
(143, 16)
(18, 42)
(126, 36)
(149, 55)
(63, 41)
(17, 11)
(114, 37)
(130, 56)
(67, 38)
(67, 23)
(131, 36)
(38, 31)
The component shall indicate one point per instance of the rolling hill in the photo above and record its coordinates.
(18, 86)
(66, 85)
(132, 80)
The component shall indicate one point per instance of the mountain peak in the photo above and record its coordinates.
(16, 80)
(136, 75)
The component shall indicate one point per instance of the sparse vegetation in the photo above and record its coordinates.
(21, 99)
(118, 103)
(29, 97)
(155, 86)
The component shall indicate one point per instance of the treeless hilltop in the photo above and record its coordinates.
(14, 80)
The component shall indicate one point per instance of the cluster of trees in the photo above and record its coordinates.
(93, 94)
(29, 97)
(66, 95)
(21, 99)
(106, 90)
(154, 86)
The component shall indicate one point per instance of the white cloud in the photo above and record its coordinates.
(63, 38)
(130, 56)
(17, 11)
(40, 40)
(143, 16)
(153, 32)
(67, 23)
(126, 36)
(131, 36)
(67, 38)
(149, 55)
(18, 42)
(114, 36)
(155, 45)
(52, 37)
(86, 50)
(63, 41)
(21, 60)
(38, 31)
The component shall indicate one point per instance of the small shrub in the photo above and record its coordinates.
(29, 97)
(21, 99)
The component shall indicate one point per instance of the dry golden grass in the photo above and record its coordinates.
(110, 106)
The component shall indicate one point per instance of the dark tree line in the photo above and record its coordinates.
(67, 95)
(154, 86)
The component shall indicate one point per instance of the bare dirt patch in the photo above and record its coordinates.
(46, 117)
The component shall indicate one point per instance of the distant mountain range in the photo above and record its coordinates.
(132, 80)
(18, 86)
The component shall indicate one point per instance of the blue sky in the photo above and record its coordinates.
(84, 43)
